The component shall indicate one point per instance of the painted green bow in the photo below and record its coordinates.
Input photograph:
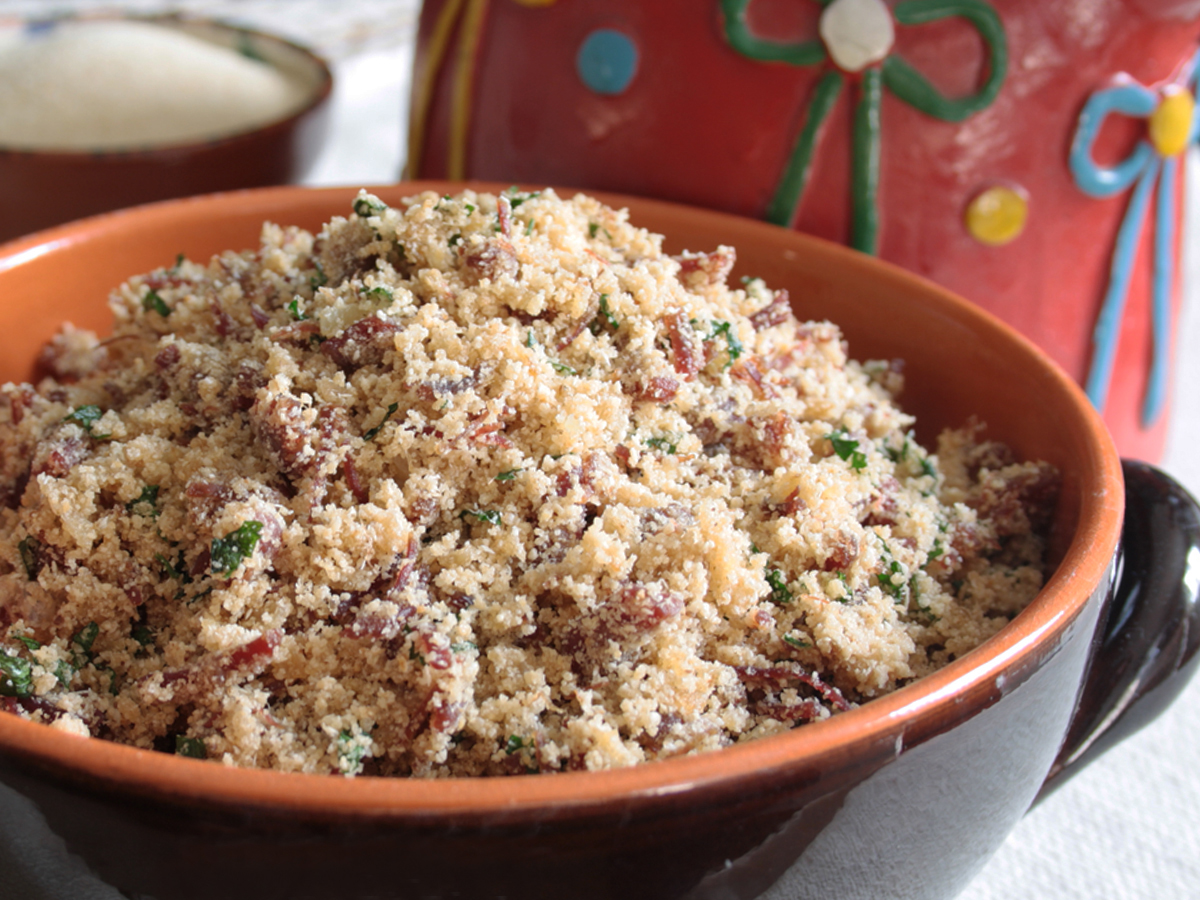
(893, 73)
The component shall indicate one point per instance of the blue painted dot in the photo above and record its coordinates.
(607, 61)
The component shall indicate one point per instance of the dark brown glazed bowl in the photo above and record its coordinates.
(43, 188)
(906, 796)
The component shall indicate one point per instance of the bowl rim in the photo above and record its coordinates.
(316, 96)
(986, 673)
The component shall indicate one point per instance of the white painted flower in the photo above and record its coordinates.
(857, 32)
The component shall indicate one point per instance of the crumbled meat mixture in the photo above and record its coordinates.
(481, 485)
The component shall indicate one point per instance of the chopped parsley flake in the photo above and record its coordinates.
(229, 552)
(146, 503)
(780, 592)
(178, 570)
(294, 309)
(28, 548)
(593, 227)
(81, 647)
(86, 418)
(733, 344)
(604, 317)
(516, 197)
(666, 445)
(30, 643)
(316, 281)
(16, 676)
(190, 747)
(154, 302)
(846, 448)
(381, 295)
(142, 634)
(892, 579)
(391, 410)
(463, 646)
(796, 642)
(490, 516)
(508, 475)
(562, 368)
(514, 743)
(350, 753)
(455, 240)
(368, 206)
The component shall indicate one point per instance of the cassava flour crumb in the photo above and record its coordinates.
(103, 85)
(480, 485)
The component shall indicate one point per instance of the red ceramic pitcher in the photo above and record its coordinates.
(1023, 153)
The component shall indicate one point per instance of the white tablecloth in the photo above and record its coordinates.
(1127, 828)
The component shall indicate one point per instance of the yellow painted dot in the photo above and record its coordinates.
(997, 215)
(1171, 123)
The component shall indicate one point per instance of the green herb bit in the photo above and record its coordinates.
(666, 445)
(562, 368)
(350, 754)
(846, 448)
(154, 302)
(31, 644)
(936, 551)
(316, 281)
(142, 634)
(381, 295)
(368, 206)
(469, 207)
(64, 672)
(733, 344)
(16, 676)
(391, 410)
(593, 227)
(529, 227)
(516, 197)
(178, 570)
(86, 418)
(892, 578)
(490, 516)
(780, 592)
(796, 642)
(146, 503)
(604, 317)
(180, 259)
(190, 747)
(28, 548)
(514, 743)
(455, 240)
(928, 468)
(530, 340)
(508, 475)
(81, 643)
(463, 646)
(229, 552)
(294, 309)
(86, 636)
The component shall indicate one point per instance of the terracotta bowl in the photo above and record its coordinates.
(906, 796)
(43, 188)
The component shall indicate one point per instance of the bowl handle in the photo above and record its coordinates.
(1146, 644)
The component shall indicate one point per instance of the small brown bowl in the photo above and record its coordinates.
(43, 188)
(905, 796)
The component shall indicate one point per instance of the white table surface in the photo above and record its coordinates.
(1127, 827)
